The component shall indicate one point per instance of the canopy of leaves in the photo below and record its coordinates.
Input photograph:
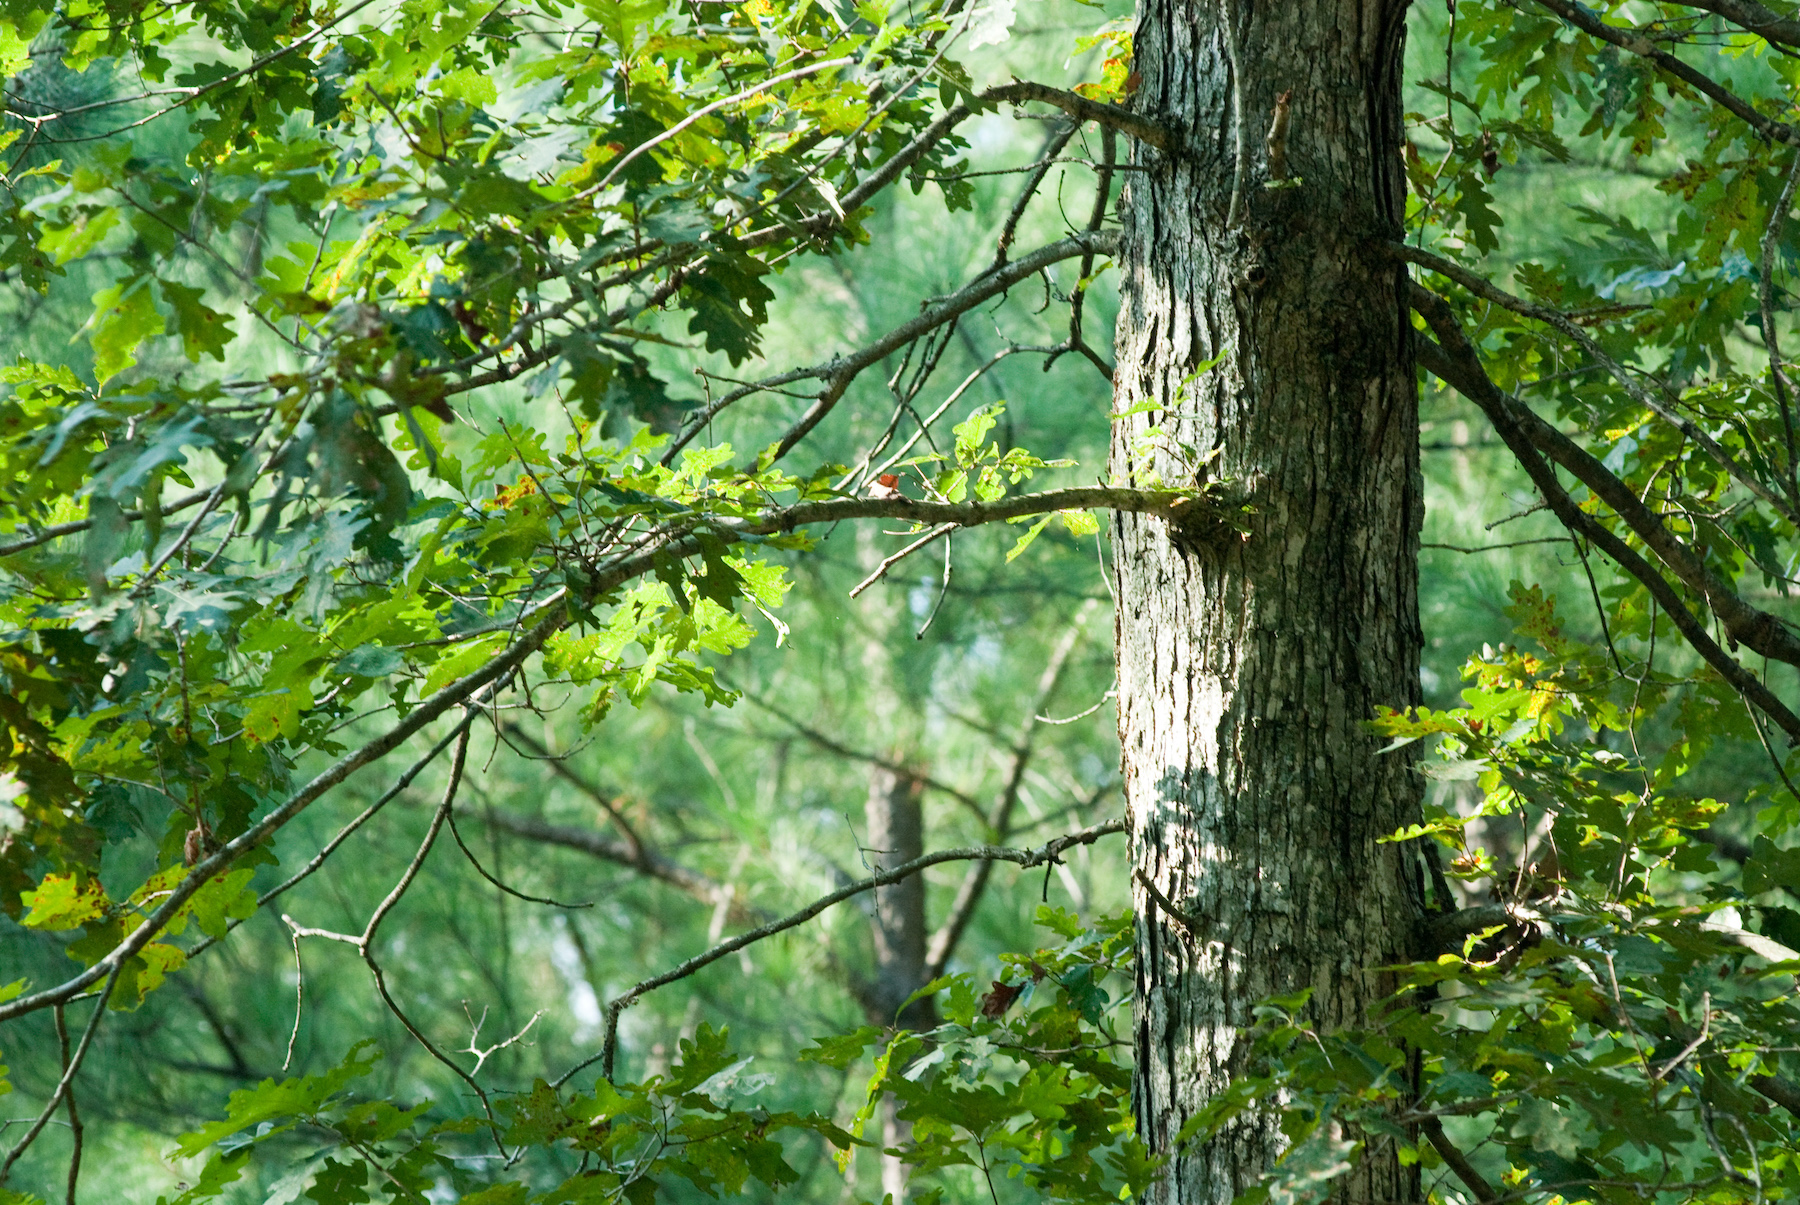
(407, 342)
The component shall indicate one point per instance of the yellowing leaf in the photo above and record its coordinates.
(64, 902)
(273, 715)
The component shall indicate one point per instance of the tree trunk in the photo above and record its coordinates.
(896, 823)
(1247, 665)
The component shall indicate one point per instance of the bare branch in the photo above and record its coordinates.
(560, 767)
(1058, 140)
(368, 813)
(1025, 858)
(512, 891)
(1753, 17)
(76, 1130)
(881, 570)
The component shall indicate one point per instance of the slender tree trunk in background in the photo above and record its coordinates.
(896, 824)
(1248, 666)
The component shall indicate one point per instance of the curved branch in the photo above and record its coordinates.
(1642, 396)
(1634, 41)
(1524, 433)
(1024, 858)
(1761, 631)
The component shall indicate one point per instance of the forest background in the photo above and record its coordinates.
(628, 846)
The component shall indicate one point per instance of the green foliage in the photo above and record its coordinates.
(1023, 1082)
(400, 334)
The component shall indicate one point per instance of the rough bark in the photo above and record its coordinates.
(1247, 666)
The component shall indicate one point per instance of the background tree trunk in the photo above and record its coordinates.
(897, 834)
(1248, 665)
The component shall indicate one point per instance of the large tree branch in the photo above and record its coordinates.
(1744, 623)
(1456, 1161)
(550, 618)
(1754, 17)
(1634, 41)
(1454, 360)
(1646, 398)
(1146, 131)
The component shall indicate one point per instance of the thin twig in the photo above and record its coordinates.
(1025, 858)
(999, 821)
(515, 893)
(1494, 547)
(438, 817)
(68, 1075)
(943, 592)
(882, 569)
(75, 1127)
